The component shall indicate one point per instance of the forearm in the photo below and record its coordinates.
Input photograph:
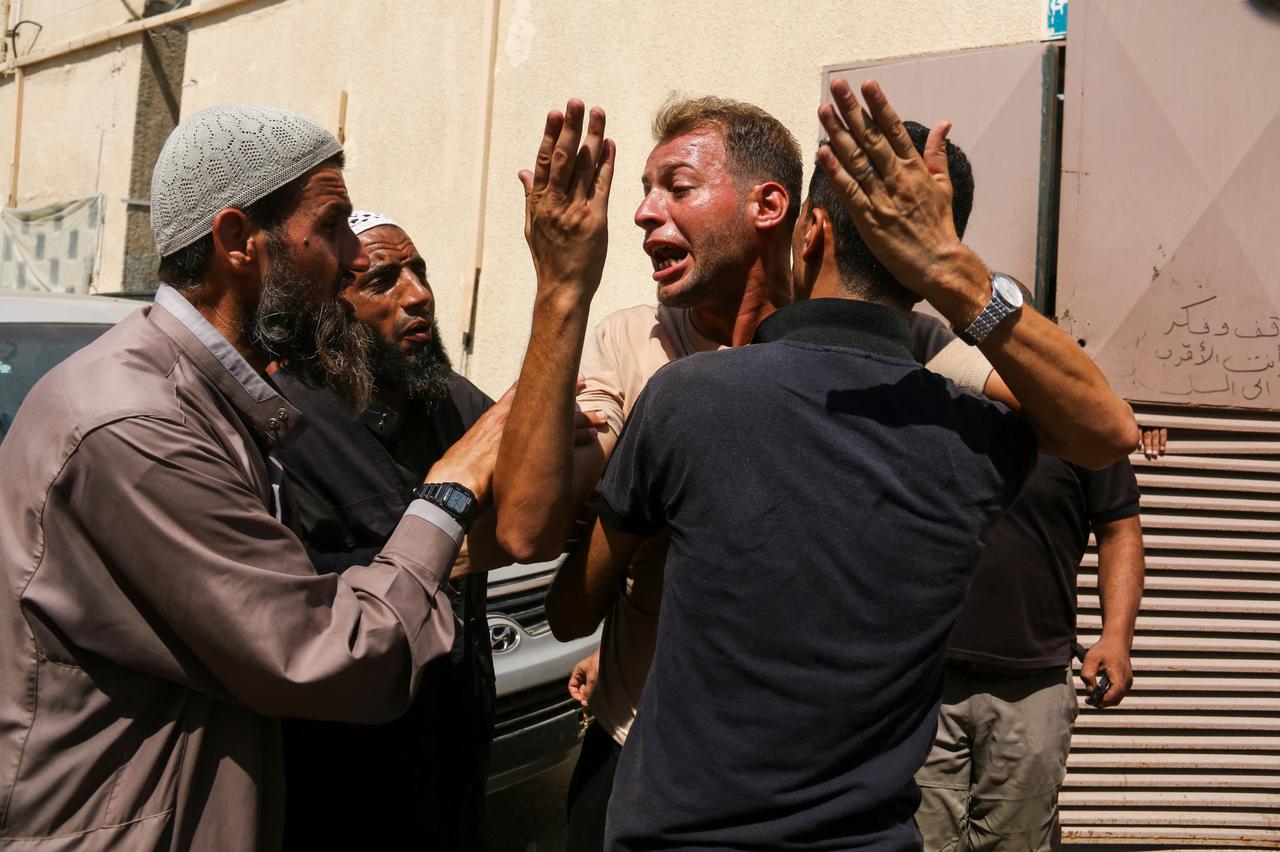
(585, 586)
(1121, 571)
(1063, 394)
(533, 480)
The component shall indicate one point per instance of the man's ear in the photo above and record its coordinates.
(817, 235)
(769, 204)
(235, 240)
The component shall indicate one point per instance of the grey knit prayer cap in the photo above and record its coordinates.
(228, 156)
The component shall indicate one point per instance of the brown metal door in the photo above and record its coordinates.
(994, 98)
(1169, 262)
(1167, 273)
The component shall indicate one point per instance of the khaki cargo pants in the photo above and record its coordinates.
(991, 780)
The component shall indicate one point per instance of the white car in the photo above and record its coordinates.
(537, 724)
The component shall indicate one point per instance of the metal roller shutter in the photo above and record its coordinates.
(1192, 756)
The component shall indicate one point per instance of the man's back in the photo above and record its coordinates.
(825, 505)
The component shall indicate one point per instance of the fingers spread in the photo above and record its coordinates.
(542, 165)
(604, 170)
(584, 172)
(863, 128)
(841, 143)
(886, 118)
(838, 170)
(565, 152)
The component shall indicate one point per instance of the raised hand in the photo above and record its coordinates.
(899, 200)
(566, 203)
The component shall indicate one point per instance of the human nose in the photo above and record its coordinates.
(417, 293)
(649, 214)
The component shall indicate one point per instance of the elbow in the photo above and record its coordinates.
(567, 624)
(567, 630)
(1123, 437)
(527, 548)
(525, 544)
(1114, 443)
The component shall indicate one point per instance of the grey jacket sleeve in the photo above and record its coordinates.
(184, 574)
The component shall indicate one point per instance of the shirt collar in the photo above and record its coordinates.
(251, 394)
(848, 323)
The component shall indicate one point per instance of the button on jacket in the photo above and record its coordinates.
(156, 617)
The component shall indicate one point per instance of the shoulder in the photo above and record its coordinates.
(129, 371)
(636, 323)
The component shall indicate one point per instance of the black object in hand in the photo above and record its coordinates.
(1095, 697)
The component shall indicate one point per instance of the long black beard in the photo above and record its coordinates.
(318, 340)
(426, 376)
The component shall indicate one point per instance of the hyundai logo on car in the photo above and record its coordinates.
(503, 637)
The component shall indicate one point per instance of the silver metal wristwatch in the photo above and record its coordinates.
(1006, 299)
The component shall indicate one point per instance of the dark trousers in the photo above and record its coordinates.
(589, 790)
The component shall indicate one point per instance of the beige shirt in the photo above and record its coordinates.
(627, 348)
(157, 617)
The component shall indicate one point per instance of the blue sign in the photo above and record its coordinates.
(1057, 22)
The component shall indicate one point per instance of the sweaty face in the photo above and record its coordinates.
(299, 319)
(693, 218)
(394, 301)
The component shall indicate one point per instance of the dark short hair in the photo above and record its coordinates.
(757, 146)
(860, 273)
(186, 266)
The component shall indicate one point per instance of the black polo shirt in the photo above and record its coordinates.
(826, 496)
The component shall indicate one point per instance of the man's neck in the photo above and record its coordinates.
(828, 285)
(729, 315)
(223, 310)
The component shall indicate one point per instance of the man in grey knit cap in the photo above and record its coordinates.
(157, 615)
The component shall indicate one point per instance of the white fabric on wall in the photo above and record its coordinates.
(52, 248)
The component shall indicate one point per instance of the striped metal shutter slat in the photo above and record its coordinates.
(1191, 759)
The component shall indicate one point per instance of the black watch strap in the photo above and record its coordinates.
(456, 499)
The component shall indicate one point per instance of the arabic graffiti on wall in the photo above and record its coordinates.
(1207, 350)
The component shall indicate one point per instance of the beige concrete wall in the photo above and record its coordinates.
(64, 20)
(415, 74)
(77, 137)
(627, 57)
(8, 96)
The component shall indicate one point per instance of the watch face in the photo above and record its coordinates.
(1007, 289)
(457, 501)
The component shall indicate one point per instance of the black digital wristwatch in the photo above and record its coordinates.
(453, 497)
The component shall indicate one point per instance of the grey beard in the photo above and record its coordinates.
(318, 341)
(426, 376)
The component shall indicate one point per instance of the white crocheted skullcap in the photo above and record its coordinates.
(362, 220)
(228, 156)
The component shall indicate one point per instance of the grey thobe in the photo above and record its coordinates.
(156, 617)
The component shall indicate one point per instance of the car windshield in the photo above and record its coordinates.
(28, 351)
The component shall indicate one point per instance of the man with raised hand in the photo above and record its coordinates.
(825, 497)
(721, 187)
(991, 779)
(158, 615)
